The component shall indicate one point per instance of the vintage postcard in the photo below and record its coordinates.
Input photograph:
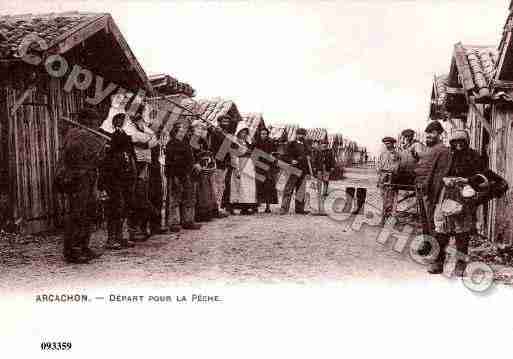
(256, 179)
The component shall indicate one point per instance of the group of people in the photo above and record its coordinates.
(211, 172)
(454, 181)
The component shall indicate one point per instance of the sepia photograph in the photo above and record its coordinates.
(256, 179)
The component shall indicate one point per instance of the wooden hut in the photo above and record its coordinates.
(283, 134)
(316, 134)
(165, 84)
(462, 100)
(501, 149)
(255, 122)
(79, 57)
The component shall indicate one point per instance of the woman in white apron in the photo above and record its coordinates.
(242, 182)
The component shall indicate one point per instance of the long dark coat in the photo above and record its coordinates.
(266, 190)
(447, 164)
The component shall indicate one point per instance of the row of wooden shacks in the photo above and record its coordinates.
(477, 95)
(53, 65)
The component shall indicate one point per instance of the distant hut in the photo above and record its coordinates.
(283, 134)
(76, 56)
(316, 134)
(255, 122)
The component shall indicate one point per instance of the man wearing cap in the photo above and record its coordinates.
(388, 163)
(217, 139)
(144, 140)
(463, 162)
(434, 146)
(410, 153)
(181, 166)
(82, 154)
(297, 155)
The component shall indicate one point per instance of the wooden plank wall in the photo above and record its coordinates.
(34, 144)
(501, 161)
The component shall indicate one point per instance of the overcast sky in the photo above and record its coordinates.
(362, 68)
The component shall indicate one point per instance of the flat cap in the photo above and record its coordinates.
(388, 139)
(434, 126)
(408, 133)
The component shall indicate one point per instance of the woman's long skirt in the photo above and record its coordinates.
(243, 188)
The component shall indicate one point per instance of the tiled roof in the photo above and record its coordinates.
(439, 97)
(475, 67)
(168, 85)
(286, 132)
(507, 28)
(440, 89)
(53, 28)
(253, 121)
(212, 109)
(317, 134)
(178, 105)
(62, 32)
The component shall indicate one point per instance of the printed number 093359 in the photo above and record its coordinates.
(55, 346)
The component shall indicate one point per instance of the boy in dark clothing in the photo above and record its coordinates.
(83, 152)
(118, 179)
(297, 154)
(180, 167)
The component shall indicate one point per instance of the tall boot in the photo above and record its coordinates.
(123, 241)
(188, 219)
(361, 196)
(175, 213)
(462, 244)
(86, 250)
(112, 240)
(437, 267)
(349, 200)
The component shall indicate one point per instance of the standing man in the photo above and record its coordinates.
(324, 165)
(82, 154)
(144, 140)
(297, 155)
(222, 164)
(434, 146)
(388, 163)
(459, 162)
(118, 177)
(411, 150)
(180, 168)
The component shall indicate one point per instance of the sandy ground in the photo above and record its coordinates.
(264, 249)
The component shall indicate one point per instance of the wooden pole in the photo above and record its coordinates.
(75, 123)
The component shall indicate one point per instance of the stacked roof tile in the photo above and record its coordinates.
(475, 67)
(168, 85)
(50, 27)
(316, 134)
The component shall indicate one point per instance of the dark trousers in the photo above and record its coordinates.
(82, 215)
(298, 185)
(361, 197)
(156, 189)
(461, 242)
(119, 206)
(182, 200)
(146, 212)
